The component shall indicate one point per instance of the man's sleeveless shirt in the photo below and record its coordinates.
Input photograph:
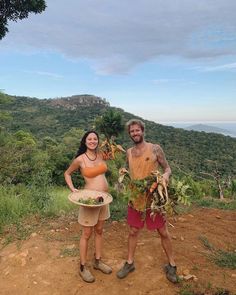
(140, 167)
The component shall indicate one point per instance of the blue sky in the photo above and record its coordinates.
(166, 61)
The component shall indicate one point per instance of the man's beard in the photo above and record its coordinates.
(137, 141)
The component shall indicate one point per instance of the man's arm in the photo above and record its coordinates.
(127, 159)
(163, 162)
(126, 166)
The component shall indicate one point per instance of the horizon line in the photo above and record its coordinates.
(197, 121)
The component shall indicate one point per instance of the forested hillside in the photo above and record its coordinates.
(51, 119)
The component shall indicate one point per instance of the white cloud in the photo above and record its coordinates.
(225, 67)
(118, 35)
(47, 74)
(163, 81)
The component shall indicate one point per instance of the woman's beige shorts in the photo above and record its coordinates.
(90, 216)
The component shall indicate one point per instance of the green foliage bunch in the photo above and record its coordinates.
(23, 156)
(178, 191)
(4, 115)
(118, 206)
(17, 10)
(17, 151)
(60, 154)
(195, 189)
(110, 124)
(233, 188)
(113, 168)
(40, 189)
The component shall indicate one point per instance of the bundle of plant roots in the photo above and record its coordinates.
(157, 196)
(109, 149)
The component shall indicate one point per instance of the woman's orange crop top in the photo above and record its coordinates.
(94, 171)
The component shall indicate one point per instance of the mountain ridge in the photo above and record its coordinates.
(209, 129)
(75, 101)
(187, 151)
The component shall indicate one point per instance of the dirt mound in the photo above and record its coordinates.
(47, 261)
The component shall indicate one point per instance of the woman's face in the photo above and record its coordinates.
(91, 141)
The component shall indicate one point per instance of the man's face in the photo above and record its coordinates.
(136, 133)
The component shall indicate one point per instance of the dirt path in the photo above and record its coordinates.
(46, 262)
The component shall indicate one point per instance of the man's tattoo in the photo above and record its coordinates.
(156, 150)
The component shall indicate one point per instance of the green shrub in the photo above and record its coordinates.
(15, 203)
(40, 189)
(118, 206)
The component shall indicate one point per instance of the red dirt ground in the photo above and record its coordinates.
(46, 262)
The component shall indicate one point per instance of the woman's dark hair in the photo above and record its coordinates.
(82, 148)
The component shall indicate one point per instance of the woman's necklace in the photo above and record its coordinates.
(90, 158)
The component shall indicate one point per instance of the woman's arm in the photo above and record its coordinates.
(73, 167)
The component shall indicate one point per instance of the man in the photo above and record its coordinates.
(142, 159)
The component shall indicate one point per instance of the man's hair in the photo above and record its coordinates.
(135, 122)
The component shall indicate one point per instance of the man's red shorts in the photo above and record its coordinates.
(135, 219)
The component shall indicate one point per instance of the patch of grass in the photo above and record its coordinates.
(17, 203)
(22, 231)
(14, 204)
(186, 289)
(206, 243)
(59, 205)
(187, 292)
(215, 203)
(17, 232)
(195, 268)
(118, 207)
(209, 286)
(8, 239)
(183, 209)
(67, 252)
(75, 238)
(224, 259)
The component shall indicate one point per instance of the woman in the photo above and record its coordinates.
(92, 166)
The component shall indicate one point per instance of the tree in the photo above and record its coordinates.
(217, 177)
(17, 152)
(110, 124)
(4, 116)
(17, 9)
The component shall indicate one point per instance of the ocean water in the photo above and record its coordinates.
(230, 127)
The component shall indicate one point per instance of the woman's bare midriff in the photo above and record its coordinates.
(98, 183)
